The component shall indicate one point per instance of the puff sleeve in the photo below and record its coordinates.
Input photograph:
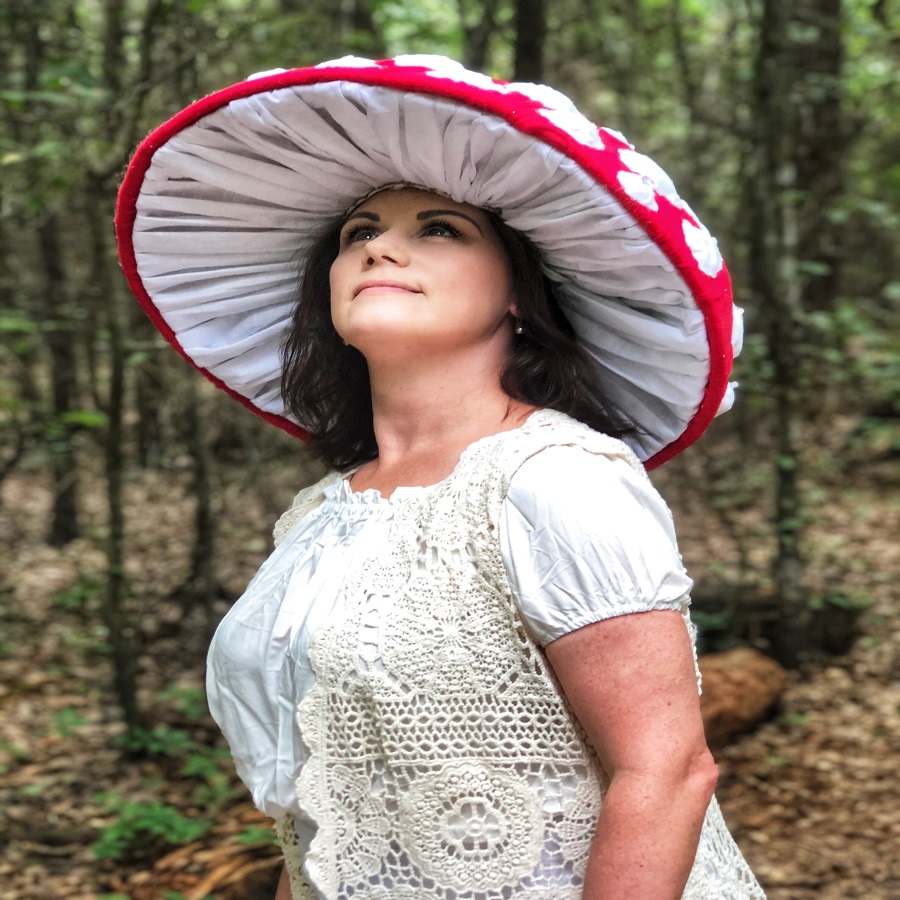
(584, 537)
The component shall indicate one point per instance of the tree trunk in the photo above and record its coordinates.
(697, 143)
(122, 632)
(355, 28)
(58, 333)
(54, 309)
(201, 588)
(150, 391)
(531, 29)
(819, 144)
(774, 279)
(477, 32)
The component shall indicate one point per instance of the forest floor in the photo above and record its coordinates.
(811, 796)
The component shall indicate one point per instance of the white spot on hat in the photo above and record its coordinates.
(645, 166)
(727, 399)
(559, 110)
(347, 62)
(441, 67)
(264, 74)
(639, 188)
(618, 136)
(704, 248)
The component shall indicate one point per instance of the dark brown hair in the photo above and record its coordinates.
(325, 383)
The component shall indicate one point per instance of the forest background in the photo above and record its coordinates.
(135, 502)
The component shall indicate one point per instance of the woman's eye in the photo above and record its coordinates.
(359, 233)
(440, 229)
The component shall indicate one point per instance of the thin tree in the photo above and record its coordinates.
(820, 148)
(478, 21)
(52, 307)
(773, 274)
(531, 32)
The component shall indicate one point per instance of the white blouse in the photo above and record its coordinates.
(583, 538)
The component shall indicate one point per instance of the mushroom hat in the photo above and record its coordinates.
(220, 203)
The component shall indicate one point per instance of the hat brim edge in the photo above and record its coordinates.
(717, 321)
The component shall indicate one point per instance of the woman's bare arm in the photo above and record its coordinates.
(284, 887)
(631, 682)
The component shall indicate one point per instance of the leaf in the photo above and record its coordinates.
(22, 98)
(86, 418)
(17, 324)
(787, 463)
(814, 267)
(256, 834)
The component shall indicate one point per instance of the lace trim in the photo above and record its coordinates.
(304, 503)
(287, 840)
(719, 871)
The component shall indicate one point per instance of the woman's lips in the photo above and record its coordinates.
(385, 286)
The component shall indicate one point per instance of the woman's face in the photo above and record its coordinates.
(418, 273)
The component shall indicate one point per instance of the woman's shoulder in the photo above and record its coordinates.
(577, 480)
(584, 537)
(303, 503)
(549, 429)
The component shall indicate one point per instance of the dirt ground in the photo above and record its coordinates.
(812, 795)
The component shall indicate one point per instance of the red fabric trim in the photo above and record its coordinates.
(664, 226)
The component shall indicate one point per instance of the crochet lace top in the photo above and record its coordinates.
(442, 760)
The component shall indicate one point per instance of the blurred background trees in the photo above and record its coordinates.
(776, 119)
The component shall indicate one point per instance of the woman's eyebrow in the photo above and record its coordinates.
(363, 214)
(428, 213)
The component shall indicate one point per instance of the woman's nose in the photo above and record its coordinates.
(387, 247)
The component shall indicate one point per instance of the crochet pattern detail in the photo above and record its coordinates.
(287, 840)
(444, 761)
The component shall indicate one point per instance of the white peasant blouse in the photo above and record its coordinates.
(583, 538)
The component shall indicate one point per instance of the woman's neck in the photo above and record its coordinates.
(424, 419)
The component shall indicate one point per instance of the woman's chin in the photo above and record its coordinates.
(392, 326)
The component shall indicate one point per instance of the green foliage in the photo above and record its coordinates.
(160, 740)
(137, 819)
(85, 418)
(204, 763)
(429, 26)
(867, 347)
(256, 835)
(857, 601)
(177, 895)
(66, 720)
(16, 323)
(35, 788)
(214, 792)
(79, 596)
(795, 719)
(713, 629)
(189, 701)
(14, 752)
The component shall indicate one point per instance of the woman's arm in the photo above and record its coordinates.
(284, 886)
(631, 682)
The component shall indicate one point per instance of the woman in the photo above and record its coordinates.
(451, 374)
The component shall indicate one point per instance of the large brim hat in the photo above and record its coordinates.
(220, 203)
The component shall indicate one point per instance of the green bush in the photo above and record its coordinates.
(137, 819)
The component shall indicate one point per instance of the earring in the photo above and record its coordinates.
(519, 329)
